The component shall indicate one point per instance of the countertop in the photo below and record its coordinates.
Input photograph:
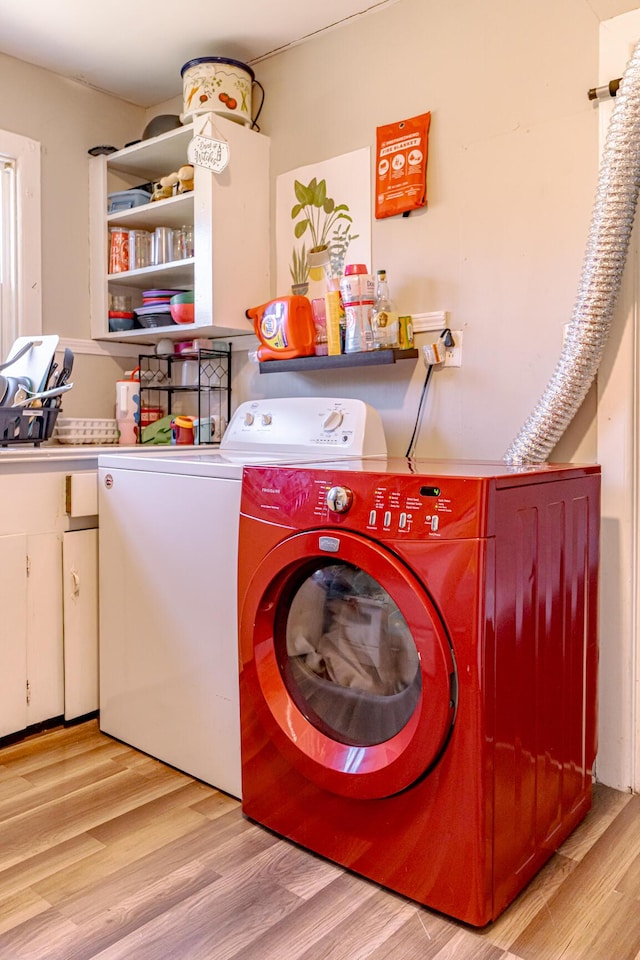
(19, 458)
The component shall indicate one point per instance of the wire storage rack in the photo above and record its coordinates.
(197, 383)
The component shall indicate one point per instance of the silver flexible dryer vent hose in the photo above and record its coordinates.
(602, 269)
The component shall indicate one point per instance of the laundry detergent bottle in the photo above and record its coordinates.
(285, 328)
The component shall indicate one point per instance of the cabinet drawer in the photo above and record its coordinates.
(81, 494)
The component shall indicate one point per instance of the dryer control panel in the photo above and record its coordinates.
(393, 499)
(396, 507)
(385, 506)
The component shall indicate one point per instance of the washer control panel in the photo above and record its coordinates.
(306, 425)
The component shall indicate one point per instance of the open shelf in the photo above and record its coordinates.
(177, 272)
(170, 212)
(371, 358)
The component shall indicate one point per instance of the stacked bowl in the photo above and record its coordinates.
(156, 308)
(182, 307)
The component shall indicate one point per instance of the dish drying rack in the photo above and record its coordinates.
(32, 384)
(26, 424)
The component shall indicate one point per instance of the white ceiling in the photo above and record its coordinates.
(134, 49)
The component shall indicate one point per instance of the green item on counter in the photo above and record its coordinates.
(158, 432)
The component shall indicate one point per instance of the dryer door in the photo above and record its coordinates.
(348, 663)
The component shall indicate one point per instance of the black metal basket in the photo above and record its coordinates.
(26, 424)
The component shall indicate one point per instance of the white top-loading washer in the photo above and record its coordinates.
(168, 568)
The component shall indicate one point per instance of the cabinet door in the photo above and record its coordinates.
(80, 591)
(44, 628)
(13, 642)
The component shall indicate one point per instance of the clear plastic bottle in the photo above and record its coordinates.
(384, 319)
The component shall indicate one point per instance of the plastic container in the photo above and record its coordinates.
(189, 373)
(118, 250)
(182, 241)
(126, 199)
(285, 328)
(119, 303)
(358, 335)
(320, 321)
(357, 288)
(357, 284)
(182, 429)
(150, 415)
(334, 319)
(204, 430)
(139, 249)
(128, 409)
(162, 246)
(119, 322)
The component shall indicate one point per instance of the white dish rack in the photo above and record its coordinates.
(73, 430)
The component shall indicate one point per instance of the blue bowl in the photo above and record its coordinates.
(118, 324)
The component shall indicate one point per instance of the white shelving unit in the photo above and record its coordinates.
(229, 213)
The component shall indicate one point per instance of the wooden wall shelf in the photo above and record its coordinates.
(371, 358)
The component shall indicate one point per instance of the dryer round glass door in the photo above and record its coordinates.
(349, 660)
(348, 664)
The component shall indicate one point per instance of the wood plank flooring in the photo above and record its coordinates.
(106, 853)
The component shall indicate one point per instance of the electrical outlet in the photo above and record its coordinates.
(453, 355)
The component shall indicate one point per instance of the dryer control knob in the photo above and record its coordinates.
(332, 421)
(339, 499)
(248, 419)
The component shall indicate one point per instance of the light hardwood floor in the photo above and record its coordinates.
(106, 853)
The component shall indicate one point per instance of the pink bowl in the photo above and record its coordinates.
(183, 312)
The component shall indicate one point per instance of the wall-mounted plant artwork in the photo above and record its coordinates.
(323, 210)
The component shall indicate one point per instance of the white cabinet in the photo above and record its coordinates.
(230, 216)
(44, 639)
(80, 595)
(34, 657)
(13, 648)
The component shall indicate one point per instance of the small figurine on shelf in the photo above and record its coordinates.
(180, 181)
(164, 187)
(185, 178)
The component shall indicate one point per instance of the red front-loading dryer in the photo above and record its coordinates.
(418, 656)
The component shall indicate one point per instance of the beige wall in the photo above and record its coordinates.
(513, 154)
(512, 171)
(68, 118)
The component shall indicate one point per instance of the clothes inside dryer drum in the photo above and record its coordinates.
(352, 665)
